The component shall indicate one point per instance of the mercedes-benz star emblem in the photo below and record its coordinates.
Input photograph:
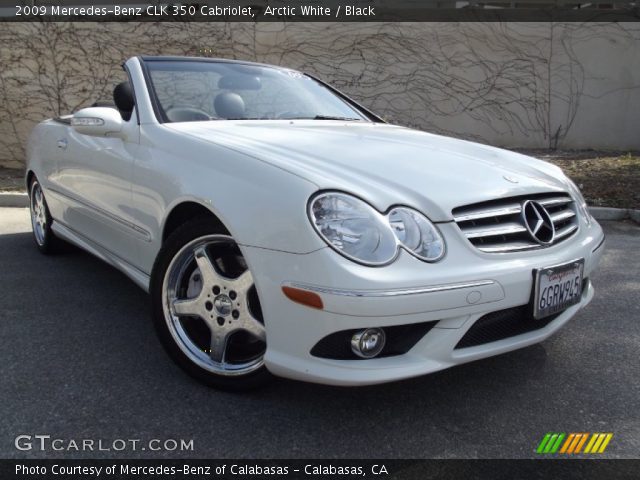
(538, 222)
(223, 305)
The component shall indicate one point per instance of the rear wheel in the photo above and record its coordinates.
(206, 308)
(41, 219)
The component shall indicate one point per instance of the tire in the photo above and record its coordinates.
(41, 220)
(206, 310)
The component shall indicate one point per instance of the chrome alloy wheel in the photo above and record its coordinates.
(38, 213)
(211, 307)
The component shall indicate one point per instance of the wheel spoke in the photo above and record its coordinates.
(187, 306)
(219, 340)
(243, 283)
(253, 326)
(207, 270)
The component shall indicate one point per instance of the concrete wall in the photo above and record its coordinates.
(534, 85)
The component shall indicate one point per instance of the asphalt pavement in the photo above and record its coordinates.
(79, 360)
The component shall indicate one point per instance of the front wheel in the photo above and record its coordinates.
(206, 308)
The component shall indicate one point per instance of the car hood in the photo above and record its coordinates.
(384, 164)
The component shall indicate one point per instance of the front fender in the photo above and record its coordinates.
(260, 204)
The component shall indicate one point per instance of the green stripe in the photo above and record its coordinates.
(558, 442)
(550, 443)
(543, 443)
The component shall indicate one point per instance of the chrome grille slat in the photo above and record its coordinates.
(494, 230)
(498, 212)
(568, 230)
(509, 247)
(563, 215)
(496, 226)
(555, 201)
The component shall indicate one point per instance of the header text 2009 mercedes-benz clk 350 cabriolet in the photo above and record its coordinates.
(281, 228)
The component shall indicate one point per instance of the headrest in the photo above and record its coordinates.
(123, 98)
(229, 105)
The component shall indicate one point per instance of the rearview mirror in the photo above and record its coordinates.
(98, 122)
(240, 82)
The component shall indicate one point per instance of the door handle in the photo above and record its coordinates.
(62, 143)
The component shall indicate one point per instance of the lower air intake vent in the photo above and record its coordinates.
(507, 323)
(503, 324)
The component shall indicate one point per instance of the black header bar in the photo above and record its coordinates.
(318, 11)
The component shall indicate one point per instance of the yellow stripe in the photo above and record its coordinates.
(596, 445)
(605, 443)
(584, 439)
(574, 443)
(567, 442)
(591, 442)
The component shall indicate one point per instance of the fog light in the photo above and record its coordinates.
(368, 343)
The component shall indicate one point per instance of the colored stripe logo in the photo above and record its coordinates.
(573, 443)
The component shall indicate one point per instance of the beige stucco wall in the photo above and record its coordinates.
(516, 84)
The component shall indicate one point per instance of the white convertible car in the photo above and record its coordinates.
(281, 228)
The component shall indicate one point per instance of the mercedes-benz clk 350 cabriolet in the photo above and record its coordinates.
(282, 228)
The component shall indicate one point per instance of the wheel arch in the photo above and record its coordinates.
(185, 211)
(28, 179)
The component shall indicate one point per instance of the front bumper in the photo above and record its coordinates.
(466, 285)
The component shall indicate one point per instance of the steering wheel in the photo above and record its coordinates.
(186, 114)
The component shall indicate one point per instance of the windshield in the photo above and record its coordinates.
(190, 91)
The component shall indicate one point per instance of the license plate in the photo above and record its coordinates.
(557, 288)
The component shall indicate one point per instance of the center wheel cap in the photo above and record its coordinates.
(223, 305)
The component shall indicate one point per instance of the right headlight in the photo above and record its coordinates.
(417, 234)
(361, 233)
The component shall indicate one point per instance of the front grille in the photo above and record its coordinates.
(400, 339)
(497, 226)
(507, 323)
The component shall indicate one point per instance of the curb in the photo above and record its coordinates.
(14, 199)
(606, 213)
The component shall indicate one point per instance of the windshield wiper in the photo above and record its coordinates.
(248, 118)
(330, 117)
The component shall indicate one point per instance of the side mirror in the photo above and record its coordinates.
(98, 122)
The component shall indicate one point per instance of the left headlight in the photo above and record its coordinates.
(353, 228)
(359, 232)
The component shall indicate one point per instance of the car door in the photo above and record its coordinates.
(94, 179)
